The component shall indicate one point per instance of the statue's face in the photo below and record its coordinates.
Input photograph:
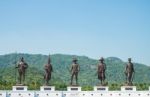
(101, 61)
(22, 60)
(74, 61)
(129, 60)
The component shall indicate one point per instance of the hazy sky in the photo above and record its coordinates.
(93, 28)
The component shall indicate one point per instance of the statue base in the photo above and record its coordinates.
(47, 88)
(19, 88)
(74, 88)
(101, 88)
(3, 94)
(128, 88)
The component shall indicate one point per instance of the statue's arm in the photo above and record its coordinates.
(78, 67)
(71, 68)
(133, 68)
(125, 71)
(17, 66)
(26, 65)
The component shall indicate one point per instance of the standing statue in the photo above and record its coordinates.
(129, 72)
(74, 71)
(101, 71)
(22, 66)
(48, 71)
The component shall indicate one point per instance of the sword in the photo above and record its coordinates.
(133, 76)
(15, 68)
(15, 71)
(126, 78)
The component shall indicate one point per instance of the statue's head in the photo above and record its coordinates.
(74, 60)
(22, 59)
(129, 59)
(101, 59)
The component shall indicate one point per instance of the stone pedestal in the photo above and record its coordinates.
(2, 93)
(48, 91)
(128, 88)
(101, 88)
(47, 88)
(73, 88)
(20, 88)
(20, 91)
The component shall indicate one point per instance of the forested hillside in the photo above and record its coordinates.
(61, 74)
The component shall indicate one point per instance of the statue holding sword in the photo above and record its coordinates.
(48, 71)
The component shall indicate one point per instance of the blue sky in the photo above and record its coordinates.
(93, 28)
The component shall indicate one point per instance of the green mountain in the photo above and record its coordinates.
(61, 74)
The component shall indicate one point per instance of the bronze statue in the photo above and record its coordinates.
(101, 71)
(74, 71)
(129, 72)
(48, 71)
(22, 66)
